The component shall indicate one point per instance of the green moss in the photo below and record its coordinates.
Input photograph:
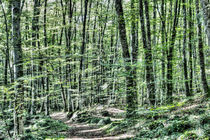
(178, 126)
(170, 107)
(189, 135)
(117, 126)
(44, 127)
(105, 121)
(94, 120)
(155, 124)
(205, 119)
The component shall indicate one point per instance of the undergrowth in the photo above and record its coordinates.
(189, 119)
(40, 127)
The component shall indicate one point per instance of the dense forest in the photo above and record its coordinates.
(104, 69)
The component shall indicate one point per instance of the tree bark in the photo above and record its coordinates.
(83, 45)
(201, 54)
(134, 44)
(35, 28)
(130, 94)
(191, 35)
(184, 49)
(18, 68)
(146, 38)
(46, 101)
(206, 12)
(163, 41)
(6, 64)
(170, 56)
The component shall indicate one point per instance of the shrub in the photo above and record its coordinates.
(178, 126)
(189, 135)
(104, 121)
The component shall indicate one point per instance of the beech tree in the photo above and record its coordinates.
(131, 95)
(18, 67)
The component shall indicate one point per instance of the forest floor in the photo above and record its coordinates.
(90, 131)
(185, 119)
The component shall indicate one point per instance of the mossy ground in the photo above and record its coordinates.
(40, 127)
(189, 119)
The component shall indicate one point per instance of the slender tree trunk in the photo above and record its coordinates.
(18, 68)
(46, 100)
(184, 49)
(35, 27)
(6, 64)
(83, 45)
(131, 95)
(134, 44)
(191, 32)
(170, 56)
(201, 54)
(206, 12)
(163, 41)
(146, 37)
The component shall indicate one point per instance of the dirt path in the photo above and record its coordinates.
(81, 131)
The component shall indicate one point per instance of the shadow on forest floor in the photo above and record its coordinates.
(90, 131)
(186, 119)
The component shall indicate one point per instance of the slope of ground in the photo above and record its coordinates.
(188, 119)
(88, 125)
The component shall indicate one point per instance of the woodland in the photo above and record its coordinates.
(104, 69)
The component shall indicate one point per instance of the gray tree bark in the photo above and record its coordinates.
(187, 89)
(18, 67)
(130, 94)
(201, 54)
(206, 12)
(146, 39)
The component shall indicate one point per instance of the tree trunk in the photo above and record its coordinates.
(83, 46)
(46, 100)
(163, 41)
(6, 64)
(18, 68)
(131, 95)
(134, 44)
(146, 37)
(184, 49)
(201, 54)
(206, 12)
(35, 27)
(191, 32)
(170, 56)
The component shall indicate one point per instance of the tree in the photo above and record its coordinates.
(135, 47)
(46, 101)
(170, 55)
(83, 45)
(191, 32)
(146, 39)
(184, 49)
(201, 54)
(18, 69)
(35, 44)
(7, 52)
(131, 95)
(206, 12)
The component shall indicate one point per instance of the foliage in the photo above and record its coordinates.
(167, 123)
(39, 127)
